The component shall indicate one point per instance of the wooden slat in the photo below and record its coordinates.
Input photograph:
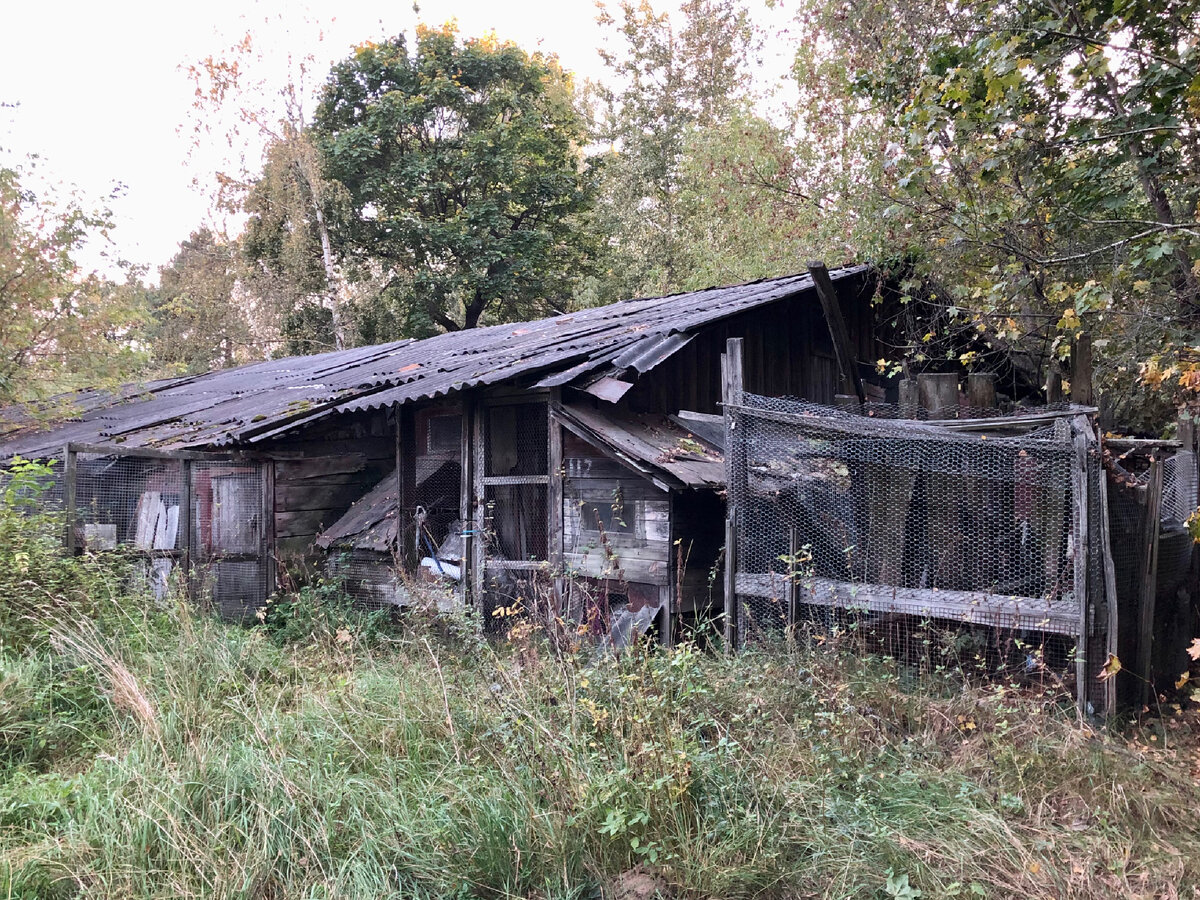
(1148, 583)
(978, 607)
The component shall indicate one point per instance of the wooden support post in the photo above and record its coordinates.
(981, 393)
(910, 399)
(792, 576)
(1079, 544)
(478, 501)
(1110, 591)
(1081, 371)
(268, 514)
(851, 383)
(731, 563)
(466, 503)
(554, 497)
(938, 395)
(407, 538)
(1053, 386)
(185, 528)
(70, 471)
(731, 396)
(1148, 590)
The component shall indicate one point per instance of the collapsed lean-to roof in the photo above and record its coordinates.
(252, 403)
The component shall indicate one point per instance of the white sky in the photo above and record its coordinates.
(103, 101)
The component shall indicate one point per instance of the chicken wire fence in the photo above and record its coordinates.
(124, 501)
(938, 546)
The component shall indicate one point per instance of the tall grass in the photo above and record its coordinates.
(324, 754)
(232, 764)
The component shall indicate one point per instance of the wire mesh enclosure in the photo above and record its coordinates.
(218, 552)
(965, 545)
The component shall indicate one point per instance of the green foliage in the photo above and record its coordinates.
(668, 89)
(198, 323)
(315, 760)
(1038, 160)
(461, 161)
(64, 328)
(37, 581)
(321, 612)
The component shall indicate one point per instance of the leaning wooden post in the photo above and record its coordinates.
(735, 463)
(850, 382)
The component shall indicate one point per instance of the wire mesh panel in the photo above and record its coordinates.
(906, 529)
(430, 511)
(371, 578)
(131, 503)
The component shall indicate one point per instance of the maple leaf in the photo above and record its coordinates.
(1194, 649)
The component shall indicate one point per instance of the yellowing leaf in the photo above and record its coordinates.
(1182, 680)
(1111, 668)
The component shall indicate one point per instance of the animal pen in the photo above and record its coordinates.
(981, 541)
(612, 463)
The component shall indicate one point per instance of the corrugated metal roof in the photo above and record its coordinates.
(261, 400)
(656, 446)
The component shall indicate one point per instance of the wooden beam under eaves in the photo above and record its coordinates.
(850, 383)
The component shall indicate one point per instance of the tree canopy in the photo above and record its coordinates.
(64, 328)
(464, 174)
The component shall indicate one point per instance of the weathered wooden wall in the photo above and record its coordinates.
(788, 352)
(634, 546)
(319, 472)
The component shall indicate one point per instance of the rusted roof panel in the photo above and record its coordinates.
(658, 447)
(255, 402)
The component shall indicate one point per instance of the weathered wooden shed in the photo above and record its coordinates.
(570, 446)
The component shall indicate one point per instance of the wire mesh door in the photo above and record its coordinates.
(218, 553)
(512, 489)
(229, 540)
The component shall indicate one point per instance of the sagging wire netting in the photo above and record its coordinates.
(937, 545)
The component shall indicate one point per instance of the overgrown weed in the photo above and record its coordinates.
(328, 753)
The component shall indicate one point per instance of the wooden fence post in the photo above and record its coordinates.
(981, 392)
(939, 395)
(731, 396)
(69, 474)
